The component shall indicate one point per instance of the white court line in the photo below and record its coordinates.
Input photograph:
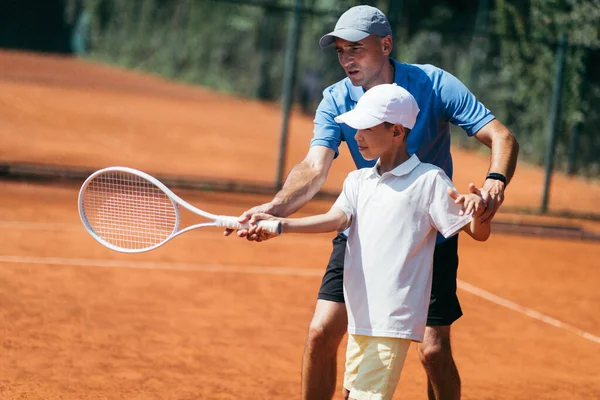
(80, 262)
(467, 287)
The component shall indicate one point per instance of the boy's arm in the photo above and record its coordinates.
(478, 229)
(337, 219)
(334, 220)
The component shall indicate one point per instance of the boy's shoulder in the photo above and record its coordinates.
(428, 171)
(356, 178)
(423, 171)
(360, 174)
(429, 177)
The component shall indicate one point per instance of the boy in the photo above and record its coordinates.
(393, 211)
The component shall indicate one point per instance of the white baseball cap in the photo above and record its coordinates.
(382, 103)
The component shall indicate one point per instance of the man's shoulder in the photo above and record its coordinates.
(428, 69)
(339, 89)
(337, 98)
(422, 80)
(423, 77)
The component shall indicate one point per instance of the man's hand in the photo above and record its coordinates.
(251, 234)
(258, 233)
(492, 193)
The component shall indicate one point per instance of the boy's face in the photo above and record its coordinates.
(376, 141)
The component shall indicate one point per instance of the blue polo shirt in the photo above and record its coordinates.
(442, 100)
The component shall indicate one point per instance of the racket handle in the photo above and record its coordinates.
(232, 223)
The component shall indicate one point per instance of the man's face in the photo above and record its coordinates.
(376, 141)
(363, 61)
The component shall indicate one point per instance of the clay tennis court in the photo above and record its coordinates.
(207, 317)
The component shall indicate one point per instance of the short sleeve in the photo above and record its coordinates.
(443, 212)
(461, 107)
(348, 198)
(327, 132)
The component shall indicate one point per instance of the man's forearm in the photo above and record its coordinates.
(302, 184)
(505, 151)
(504, 148)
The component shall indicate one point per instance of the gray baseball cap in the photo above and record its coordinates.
(356, 24)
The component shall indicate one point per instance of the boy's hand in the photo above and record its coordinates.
(478, 204)
(472, 203)
(257, 233)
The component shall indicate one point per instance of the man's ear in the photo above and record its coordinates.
(387, 45)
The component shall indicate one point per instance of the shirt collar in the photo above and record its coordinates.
(356, 92)
(403, 169)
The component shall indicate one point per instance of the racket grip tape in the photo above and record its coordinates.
(232, 223)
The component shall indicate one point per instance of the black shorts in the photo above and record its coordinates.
(444, 307)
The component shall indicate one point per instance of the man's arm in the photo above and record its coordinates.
(504, 153)
(301, 185)
(304, 181)
(463, 109)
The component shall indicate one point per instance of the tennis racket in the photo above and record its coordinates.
(130, 211)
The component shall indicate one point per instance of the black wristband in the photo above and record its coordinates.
(496, 176)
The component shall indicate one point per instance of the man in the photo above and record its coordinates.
(362, 39)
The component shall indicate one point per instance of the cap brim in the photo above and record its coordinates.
(358, 120)
(351, 35)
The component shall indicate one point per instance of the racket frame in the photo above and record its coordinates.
(176, 201)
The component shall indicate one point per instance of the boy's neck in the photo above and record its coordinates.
(388, 162)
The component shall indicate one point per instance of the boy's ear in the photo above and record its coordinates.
(399, 130)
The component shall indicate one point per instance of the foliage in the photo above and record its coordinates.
(505, 51)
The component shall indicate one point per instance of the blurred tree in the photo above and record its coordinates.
(503, 49)
(527, 67)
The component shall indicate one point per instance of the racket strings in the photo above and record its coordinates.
(128, 211)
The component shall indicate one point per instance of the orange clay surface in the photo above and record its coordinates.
(207, 317)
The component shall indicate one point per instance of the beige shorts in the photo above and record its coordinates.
(373, 366)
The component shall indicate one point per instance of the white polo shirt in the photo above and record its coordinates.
(389, 256)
